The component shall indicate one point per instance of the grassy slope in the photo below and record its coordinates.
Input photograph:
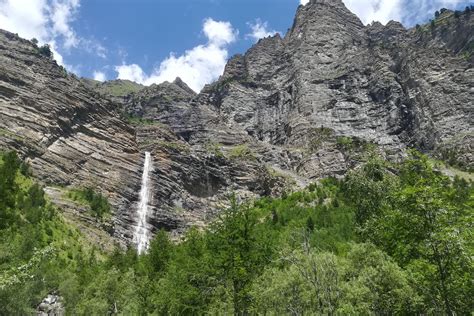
(115, 88)
(36, 258)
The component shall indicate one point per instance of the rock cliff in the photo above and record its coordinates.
(289, 111)
(70, 136)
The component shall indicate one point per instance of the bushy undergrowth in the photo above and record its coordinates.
(388, 239)
(98, 204)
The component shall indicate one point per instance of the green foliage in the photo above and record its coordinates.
(376, 284)
(451, 157)
(367, 189)
(36, 247)
(220, 85)
(308, 283)
(354, 145)
(365, 282)
(422, 221)
(317, 136)
(239, 251)
(241, 152)
(159, 252)
(175, 146)
(388, 239)
(45, 50)
(469, 51)
(9, 134)
(345, 142)
(8, 188)
(215, 149)
(118, 88)
(139, 121)
(25, 169)
(99, 205)
(63, 71)
(310, 224)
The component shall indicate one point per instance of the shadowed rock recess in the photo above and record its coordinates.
(290, 111)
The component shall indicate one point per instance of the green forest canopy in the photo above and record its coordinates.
(388, 239)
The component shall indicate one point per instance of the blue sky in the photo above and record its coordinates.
(150, 41)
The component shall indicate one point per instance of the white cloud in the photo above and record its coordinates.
(409, 12)
(421, 10)
(372, 10)
(93, 47)
(99, 76)
(219, 33)
(197, 66)
(375, 10)
(62, 14)
(131, 72)
(25, 17)
(57, 56)
(49, 21)
(259, 30)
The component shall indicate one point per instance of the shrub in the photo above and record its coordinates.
(137, 120)
(318, 136)
(345, 142)
(63, 71)
(25, 169)
(99, 206)
(215, 149)
(45, 50)
(242, 151)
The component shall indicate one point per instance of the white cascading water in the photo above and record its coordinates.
(142, 234)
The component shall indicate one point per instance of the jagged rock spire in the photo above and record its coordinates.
(180, 83)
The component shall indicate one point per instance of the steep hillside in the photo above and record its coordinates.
(310, 105)
(290, 182)
(69, 135)
(290, 111)
(383, 84)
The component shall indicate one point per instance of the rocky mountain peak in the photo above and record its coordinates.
(323, 21)
(332, 3)
(322, 8)
(180, 83)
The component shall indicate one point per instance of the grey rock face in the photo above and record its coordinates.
(393, 87)
(288, 112)
(51, 306)
(294, 101)
(69, 136)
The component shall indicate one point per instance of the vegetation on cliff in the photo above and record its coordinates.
(388, 239)
(98, 204)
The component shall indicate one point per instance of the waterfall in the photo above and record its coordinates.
(142, 235)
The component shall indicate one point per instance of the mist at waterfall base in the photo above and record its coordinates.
(141, 235)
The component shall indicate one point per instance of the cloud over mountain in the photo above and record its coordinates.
(197, 66)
